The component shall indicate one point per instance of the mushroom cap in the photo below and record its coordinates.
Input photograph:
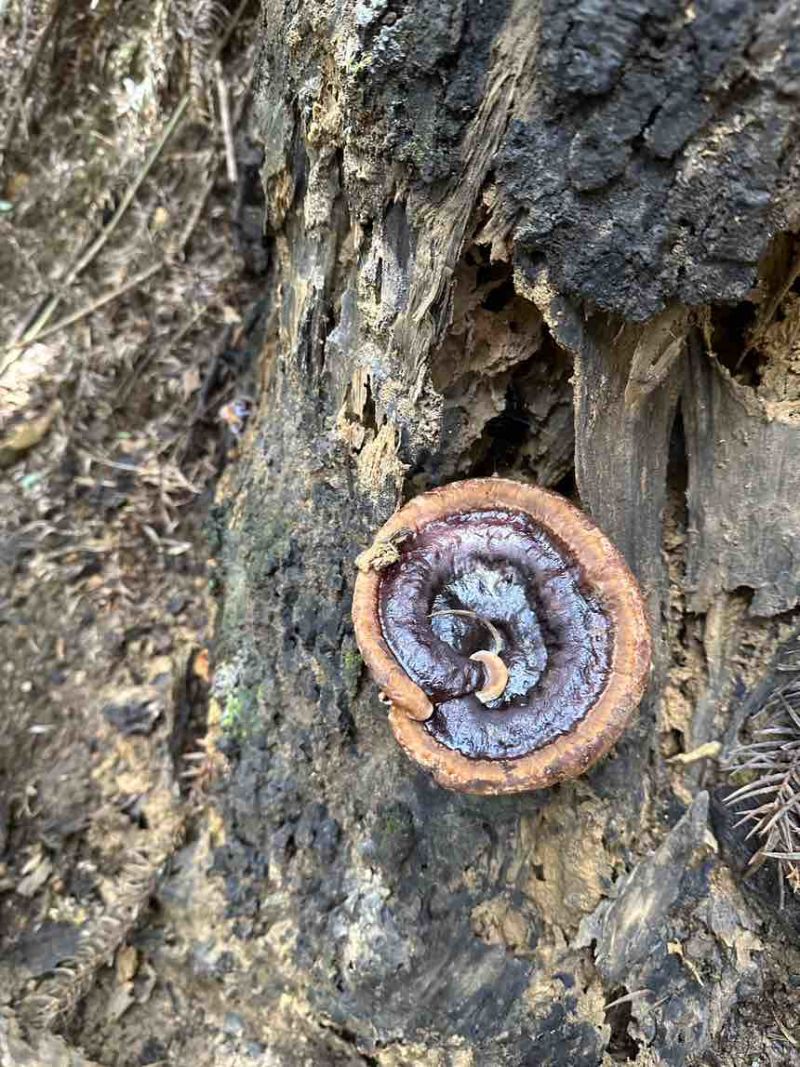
(603, 569)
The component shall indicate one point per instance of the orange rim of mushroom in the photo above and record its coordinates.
(603, 568)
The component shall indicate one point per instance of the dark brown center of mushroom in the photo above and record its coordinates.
(498, 567)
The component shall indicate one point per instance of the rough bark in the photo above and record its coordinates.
(519, 238)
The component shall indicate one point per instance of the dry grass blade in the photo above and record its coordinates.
(92, 306)
(84, 258)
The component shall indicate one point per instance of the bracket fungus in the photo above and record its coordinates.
(506, 632)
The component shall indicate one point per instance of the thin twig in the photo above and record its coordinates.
(197, 211)
(94, 305)
(783, 1030)
(27, 79)
(225, 122)
(771, 305)
(233, 22)
(136, 373)
(127, 199)
(37, 326)
(497, 637)
(82, 260)
(209, 380)
(627, 998)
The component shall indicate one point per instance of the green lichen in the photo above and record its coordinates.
(393, 834)
(352, 665)
(267, 542)
(240, 714)
(354, 68)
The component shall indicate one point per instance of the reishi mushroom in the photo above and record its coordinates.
(505, 630)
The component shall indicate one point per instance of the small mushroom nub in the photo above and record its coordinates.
(496, 675)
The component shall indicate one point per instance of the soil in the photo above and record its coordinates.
(113, 431)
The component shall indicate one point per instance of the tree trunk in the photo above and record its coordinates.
(552, 242)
